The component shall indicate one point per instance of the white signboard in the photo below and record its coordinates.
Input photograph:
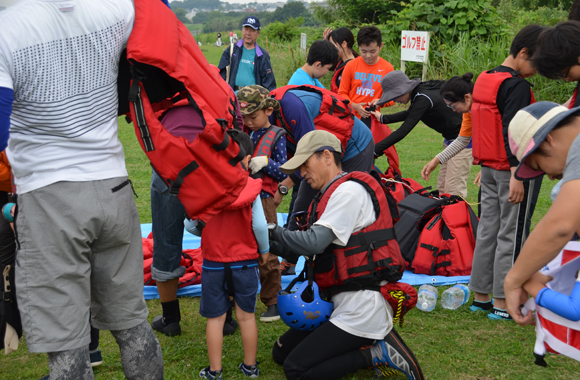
(303, 42)
(415, 46)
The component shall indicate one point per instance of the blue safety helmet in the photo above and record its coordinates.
(302, 310)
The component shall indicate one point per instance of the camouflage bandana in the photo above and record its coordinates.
(253, 98)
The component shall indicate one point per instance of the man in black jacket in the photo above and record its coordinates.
(248, 64)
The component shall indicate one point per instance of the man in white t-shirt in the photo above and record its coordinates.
(360, 317)
(79, 238)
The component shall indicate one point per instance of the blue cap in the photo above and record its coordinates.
(252, 21)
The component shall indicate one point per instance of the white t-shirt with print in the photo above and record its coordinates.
(363, 313)
(61, 59)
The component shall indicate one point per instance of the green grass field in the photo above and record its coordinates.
(450, 345)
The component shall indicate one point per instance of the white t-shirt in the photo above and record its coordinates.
(61, 59)
(363, 313)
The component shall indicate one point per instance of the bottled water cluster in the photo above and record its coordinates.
(451, 298)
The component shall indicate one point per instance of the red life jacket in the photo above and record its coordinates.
(337, 73)
(488, 141)
(575, 101)
(380, 132)
(335, 115)
(164, 68)
(447, 242)
(348, 268)
(265, 147)
(228, 237)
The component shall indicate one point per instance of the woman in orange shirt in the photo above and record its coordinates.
(457, 93)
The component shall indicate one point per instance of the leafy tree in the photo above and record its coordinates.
(199, 4)
(448, 18)
(293, 9)
(366, 11)
(180, 13)
(278, 31)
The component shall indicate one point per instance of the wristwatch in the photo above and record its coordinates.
(283, 189)
(271, 227)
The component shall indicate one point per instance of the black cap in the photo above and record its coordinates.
(252, 21)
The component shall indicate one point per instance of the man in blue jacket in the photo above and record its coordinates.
(248, 63)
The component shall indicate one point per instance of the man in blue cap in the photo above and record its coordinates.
(245, 63)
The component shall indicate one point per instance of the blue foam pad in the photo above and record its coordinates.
(191, 242)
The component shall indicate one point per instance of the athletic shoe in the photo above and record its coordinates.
(499, 315)
(393, 353)
(171, 329)
(481, 306)
(230, 327)
(250, 371)
(211, 375)
(96, 358)
(287, 269)
(271, 314)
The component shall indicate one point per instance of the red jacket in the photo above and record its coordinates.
(335, 115)
(487, 128)
(164, 67)
(228, 236)
(348, 268)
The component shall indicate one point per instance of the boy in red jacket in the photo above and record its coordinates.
(231, 243)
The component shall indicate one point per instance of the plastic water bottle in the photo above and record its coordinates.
(455, 296)
(427, 298)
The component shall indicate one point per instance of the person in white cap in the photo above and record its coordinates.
(544, 138)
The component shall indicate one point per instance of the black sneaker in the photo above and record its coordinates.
(171, 329)
(96, 358)
(287, 269)
(271, 314)
(211, 375)
(250, 371)
(392, 353)
(230, 327)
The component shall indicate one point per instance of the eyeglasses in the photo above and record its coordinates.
(453, 105)
(565, 76)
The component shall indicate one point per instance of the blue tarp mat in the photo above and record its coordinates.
(191, 242)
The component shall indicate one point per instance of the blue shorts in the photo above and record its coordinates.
(215, 300)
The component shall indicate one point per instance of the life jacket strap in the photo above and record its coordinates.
(436, 254)
(372, 239)
(174, 186)
(137, 100)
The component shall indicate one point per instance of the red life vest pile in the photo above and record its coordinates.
(436, 234)
(190, 259)
(554, 333)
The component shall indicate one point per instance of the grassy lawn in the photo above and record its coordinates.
(448, 344)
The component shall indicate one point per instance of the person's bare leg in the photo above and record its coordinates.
(168, 290)
(215, 338)
(481, 297)
(249, 331)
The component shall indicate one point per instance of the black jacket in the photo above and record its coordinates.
(428, 106)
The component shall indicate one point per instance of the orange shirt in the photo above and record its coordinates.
(5, 173)
(361, 82)
(466, 125)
